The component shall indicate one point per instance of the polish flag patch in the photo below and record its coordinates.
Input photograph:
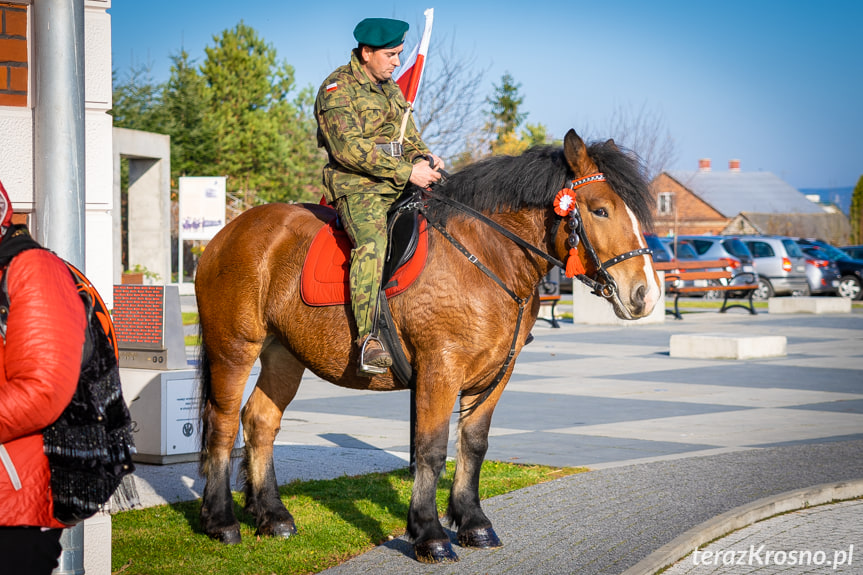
(331, 87)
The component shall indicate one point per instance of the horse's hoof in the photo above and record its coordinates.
(435, 552)
(482, 537)
(228, 536)
(283, 529)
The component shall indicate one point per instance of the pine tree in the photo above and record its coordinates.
(187, 100)
(505, 115)
(138, 101)
(265, 142)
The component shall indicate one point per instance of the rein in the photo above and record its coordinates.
(605, 288)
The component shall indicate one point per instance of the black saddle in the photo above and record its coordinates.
(403, 229)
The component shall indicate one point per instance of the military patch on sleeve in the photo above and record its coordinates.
(332, 87)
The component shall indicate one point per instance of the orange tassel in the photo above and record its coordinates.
(573, 264)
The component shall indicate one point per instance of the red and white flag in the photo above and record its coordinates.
(410, 73)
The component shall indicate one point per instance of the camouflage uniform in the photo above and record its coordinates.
(354, 115)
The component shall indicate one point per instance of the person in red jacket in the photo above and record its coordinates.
(40, 358)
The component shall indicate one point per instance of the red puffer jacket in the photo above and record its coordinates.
(41, 360)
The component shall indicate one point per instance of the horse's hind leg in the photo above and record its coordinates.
(223, 382)
(474, 527)
(277, 384)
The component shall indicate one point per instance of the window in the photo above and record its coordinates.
(701, 246)
(761, 250)
(792, 248)
(664, 203)
(736, 248)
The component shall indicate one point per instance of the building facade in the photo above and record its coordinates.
(732, 201)
(19, 43)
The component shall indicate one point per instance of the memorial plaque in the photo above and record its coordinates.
(149, 326)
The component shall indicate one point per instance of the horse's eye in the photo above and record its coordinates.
(600, 212)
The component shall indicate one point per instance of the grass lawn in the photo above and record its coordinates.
(191, 318)
(336, 519)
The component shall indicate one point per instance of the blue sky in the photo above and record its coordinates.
(777, 84)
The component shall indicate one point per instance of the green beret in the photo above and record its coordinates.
(381, 32)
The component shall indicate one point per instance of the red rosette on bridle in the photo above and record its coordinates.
(564, 202)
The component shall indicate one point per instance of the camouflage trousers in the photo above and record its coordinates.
(364, 217)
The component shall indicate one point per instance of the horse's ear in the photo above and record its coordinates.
(575, 153)
(610, 143)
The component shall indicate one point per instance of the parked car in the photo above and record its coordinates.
(856, 252)
(730, 250)
(850, 269)
(685, 251)
(722, 248)
(781, 265)
(823, 274)
(660, 252)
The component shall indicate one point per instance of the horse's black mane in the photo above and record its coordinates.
(509, 183)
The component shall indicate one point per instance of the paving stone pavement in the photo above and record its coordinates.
(672, 443)
(815, 540)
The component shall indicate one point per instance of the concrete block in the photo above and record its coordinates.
(722, 346)
(592, 310)
(97, 545)
(779, 305)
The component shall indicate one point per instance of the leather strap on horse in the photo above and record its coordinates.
(598, 288)
(496, 226)
(521, 302)
(401, 366)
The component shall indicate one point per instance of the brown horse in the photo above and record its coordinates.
(458, 324)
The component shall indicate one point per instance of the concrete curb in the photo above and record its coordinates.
(743, 516)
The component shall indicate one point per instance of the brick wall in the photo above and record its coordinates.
(13, 55)
(693, 217)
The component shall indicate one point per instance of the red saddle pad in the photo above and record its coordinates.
(324, 279)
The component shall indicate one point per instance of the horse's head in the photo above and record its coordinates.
(603, 234)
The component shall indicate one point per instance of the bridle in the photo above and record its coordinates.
(602, 283)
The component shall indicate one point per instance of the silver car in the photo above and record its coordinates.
(730, 250)
(685, 251)
(726, 248)
(823, 274)
(781, 265)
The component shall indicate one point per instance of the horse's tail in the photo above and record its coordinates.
(204, 394)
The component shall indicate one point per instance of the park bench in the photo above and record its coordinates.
(684, 277)
(549, 294)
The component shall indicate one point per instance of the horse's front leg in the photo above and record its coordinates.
(277, 385)
(434, 406)
(464, 511)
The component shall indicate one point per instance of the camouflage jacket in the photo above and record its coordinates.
(354, 114)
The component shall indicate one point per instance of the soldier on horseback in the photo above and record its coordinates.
(374, 150)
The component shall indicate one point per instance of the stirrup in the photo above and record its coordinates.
(366, 368)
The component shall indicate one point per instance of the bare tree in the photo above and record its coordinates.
(644, 132)
(448, 108)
